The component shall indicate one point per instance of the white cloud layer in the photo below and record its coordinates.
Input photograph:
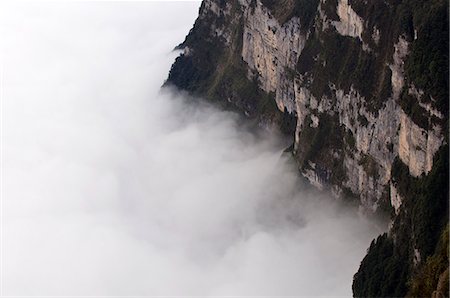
(112, 187)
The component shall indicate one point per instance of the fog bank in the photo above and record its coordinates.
(112, 186)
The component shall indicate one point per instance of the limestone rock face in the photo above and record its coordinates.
(396, 199)
(398, 78)
(330, 66)
(271, 51)
(350, 24)
(417, 146)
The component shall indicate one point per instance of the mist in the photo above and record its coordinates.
(114, 186)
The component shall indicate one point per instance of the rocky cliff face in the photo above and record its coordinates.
(362, 87)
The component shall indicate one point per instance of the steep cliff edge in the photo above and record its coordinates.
(362, 87)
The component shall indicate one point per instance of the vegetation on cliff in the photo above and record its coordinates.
(411, 250)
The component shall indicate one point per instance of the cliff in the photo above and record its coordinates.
(362, 88)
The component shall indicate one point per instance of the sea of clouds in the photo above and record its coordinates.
(112, 186)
